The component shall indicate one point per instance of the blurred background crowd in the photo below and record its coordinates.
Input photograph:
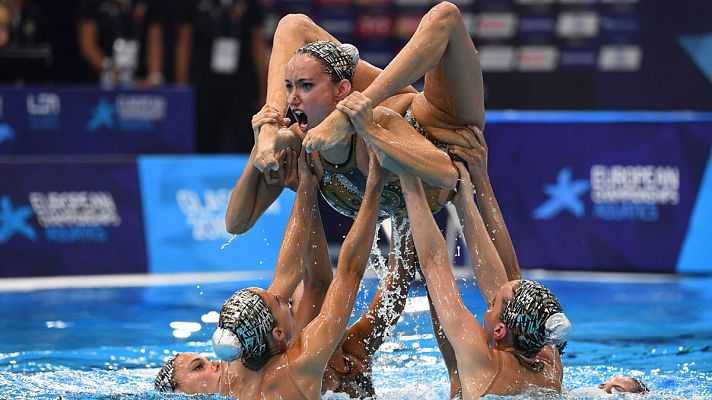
(536, 54)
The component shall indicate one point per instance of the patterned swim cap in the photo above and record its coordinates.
(166, 380)
(536, 318)
(243, 328)
(340, 60)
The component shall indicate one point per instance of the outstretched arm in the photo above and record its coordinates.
(369, 332)
(434, 262)
(467, 337)
(294, 252)
(320, 338)
(475, 156)
(318, 274)
(489, 270)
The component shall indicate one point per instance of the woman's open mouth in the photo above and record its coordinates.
(302, 119)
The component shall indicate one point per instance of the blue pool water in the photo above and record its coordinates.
(108, 343)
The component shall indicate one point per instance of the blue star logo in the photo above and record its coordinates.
(14, 221)
(564, 195)
(103, 115)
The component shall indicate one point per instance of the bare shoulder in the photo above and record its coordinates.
(515, 377)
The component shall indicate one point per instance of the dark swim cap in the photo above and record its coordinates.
(243, 328)
(536, 318)
(166, 380)
(340, 60)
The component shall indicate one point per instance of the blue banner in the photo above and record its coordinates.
(615, 196)
(184, 203)
(88, 120)
(70, 217)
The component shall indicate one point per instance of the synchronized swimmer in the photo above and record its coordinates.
(375, 148)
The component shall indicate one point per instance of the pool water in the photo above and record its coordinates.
(109, 343)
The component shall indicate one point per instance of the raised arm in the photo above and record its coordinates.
(434, 260)
(321, 336)
(475, 156)
(369, 332)
(294, 252)
(318, 274)
(489, 270)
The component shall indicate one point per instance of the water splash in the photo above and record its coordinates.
(224, 245)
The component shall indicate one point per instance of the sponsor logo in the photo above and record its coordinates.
(43, 111)
(103, 115)
(578, 58)
(620, 24)
(81, 216)
(577, 24)
(617, 193)
(205, 212)
(495, 25)
(497, 58)
(633, 192)
(564, 195)
(620, 58)
(14, 221)
(374, 26)
(537, 58)
(532, 25)
(205, 215)
(406, 25)
(129, 112)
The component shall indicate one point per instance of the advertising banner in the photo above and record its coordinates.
(88, 120)
(185, 198)
(70, 217)
(600, 191)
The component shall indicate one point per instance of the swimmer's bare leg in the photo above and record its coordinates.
(441, 49)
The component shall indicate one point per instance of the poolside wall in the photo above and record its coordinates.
(615, 191)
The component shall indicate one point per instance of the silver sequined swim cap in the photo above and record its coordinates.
(340, 60)
(243, 328)
(536, 318)
(165, 379)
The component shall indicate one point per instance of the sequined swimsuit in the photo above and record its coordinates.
(342, 186)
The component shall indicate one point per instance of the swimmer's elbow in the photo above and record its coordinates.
(451, 177)
(236, 227)
(447, 178)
